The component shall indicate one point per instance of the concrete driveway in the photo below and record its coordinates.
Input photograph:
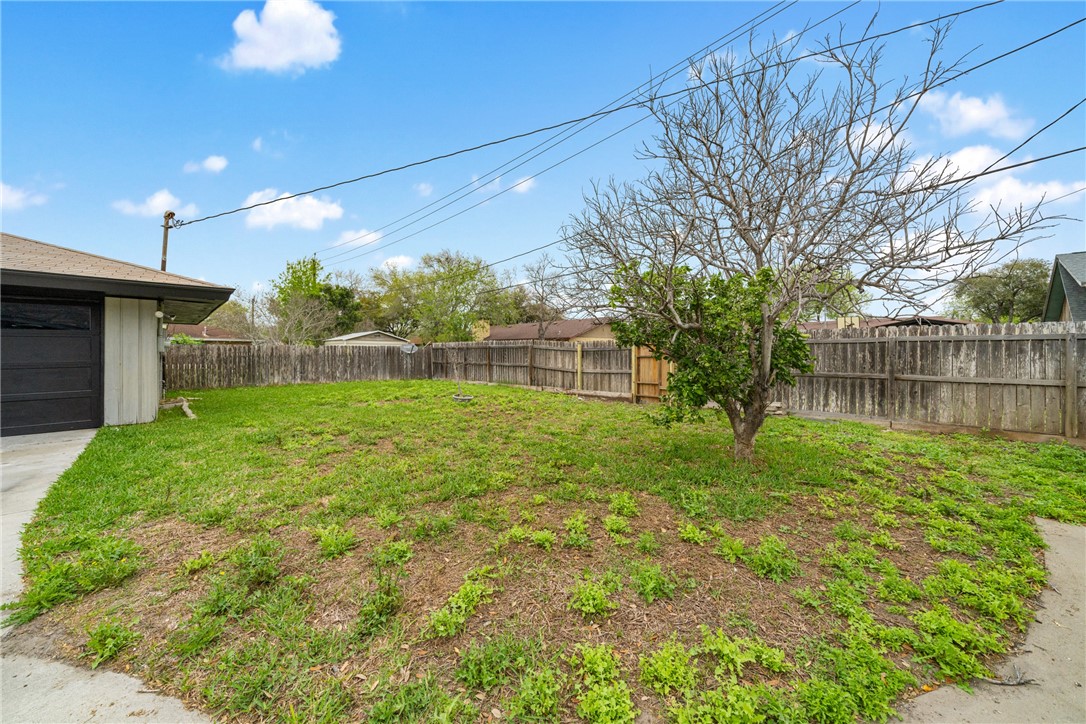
(34, 689)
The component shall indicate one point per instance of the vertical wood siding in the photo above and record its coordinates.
(130, 360)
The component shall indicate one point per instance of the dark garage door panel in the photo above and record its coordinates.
(31, 382)
(33, 348)
(23, 417)
(51, 379)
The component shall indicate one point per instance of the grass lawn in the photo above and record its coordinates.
(377, 551)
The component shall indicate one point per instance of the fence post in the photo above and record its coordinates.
(579, 352)
(633, 374)
(1070, 406)
(488, 373)
(891, 370)
(531, 349)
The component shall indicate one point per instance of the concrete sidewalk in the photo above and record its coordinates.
(1053, 655)
(34, 689)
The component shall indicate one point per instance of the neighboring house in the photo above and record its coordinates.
(206, 334)
(374, 338)
(1066, 300)
(82, 335)
(562, 330)
(874, 322)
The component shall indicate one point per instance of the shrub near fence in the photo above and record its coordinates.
(1025, 378)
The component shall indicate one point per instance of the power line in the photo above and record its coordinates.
(1030, 162)
(555, 126)
(1021, 145)
(701, 53)
(947, 183)
(872, 114)
(374, 250)
(486, 200)
(988, 172)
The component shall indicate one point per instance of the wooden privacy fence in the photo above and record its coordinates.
(1018, 378)
(588, 367)
(1024, 378)
(193, 367)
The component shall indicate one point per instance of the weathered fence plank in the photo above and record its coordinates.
(1024, 378)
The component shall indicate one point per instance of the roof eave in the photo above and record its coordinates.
(183, 304)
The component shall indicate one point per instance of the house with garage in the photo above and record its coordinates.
(81, 335)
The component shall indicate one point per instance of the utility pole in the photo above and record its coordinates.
(167, 222)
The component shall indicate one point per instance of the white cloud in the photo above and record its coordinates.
(258, 144)
(212, 164)
(974, 159)
(155, 205)
(524, 185)
(1004, 190)
(1010, 191)
(423, 189)
(287, 37)
(301, 212)
(958, 115)
(362, 237)
(397, 262)
(493, 186)
(16, 199)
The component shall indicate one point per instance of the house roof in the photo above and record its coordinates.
(371, 333)
(35, 264)
(559, 330)
(873, 322)
(202, 331)
(1068, 282)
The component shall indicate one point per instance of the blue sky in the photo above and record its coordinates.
(114, 111)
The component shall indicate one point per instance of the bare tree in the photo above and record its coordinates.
(300, 320)
(547, 300)
(763, 166)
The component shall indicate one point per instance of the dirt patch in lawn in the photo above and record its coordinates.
(276, 608)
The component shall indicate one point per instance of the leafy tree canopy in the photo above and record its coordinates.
(721, 352)
(441, 299)
(1013, 292)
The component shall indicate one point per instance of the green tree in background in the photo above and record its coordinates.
(1013, 292)
(307, 306)
(441, 299)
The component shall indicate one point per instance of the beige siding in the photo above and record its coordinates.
(131, 363)
(1065, 313)
(601, 332)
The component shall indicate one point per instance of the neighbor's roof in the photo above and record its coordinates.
(202, 331)
(359, 335)
(562, 329)
(872, 322)
(1068, 282)
(35, 264)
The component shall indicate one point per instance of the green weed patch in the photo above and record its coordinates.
(307, 545)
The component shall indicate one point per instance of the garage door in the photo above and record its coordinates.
(50, 366)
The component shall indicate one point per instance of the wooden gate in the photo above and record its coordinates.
(650, 376)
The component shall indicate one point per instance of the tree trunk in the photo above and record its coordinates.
(744, 443)
(746, 421)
